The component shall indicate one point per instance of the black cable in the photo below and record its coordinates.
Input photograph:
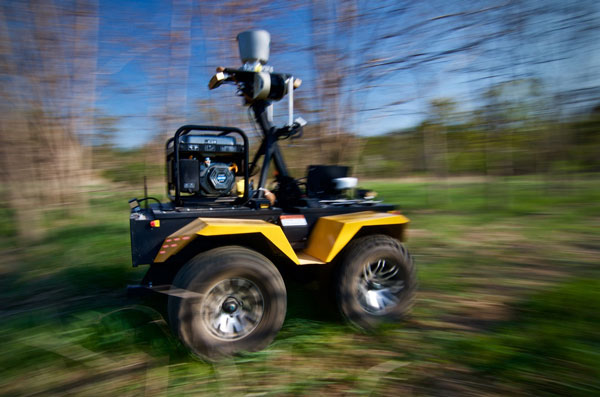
(152, 198)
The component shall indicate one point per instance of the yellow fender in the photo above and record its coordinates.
(331, 233)
(224, 227)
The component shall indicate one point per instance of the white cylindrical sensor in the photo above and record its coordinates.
(254, 46)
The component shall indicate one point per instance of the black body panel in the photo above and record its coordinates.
(146, 241)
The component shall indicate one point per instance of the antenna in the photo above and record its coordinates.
(145, 192)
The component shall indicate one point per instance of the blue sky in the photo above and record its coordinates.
(132, 61)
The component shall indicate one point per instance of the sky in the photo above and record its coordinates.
(133, 65)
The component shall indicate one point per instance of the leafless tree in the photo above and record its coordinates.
(49, 56)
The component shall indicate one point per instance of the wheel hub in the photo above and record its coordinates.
(379, 286)
(230, 305)
(233, 308)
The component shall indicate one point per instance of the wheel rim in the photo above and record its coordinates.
(232, 309)
(380, 285)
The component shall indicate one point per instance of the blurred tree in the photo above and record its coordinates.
(178, 61)
(105, 130)
(48, 56)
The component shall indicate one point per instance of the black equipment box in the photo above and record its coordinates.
(320, 180)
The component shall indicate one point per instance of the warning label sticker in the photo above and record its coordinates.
(293, 220)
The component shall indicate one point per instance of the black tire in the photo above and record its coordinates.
(364, 296)
(227, 300)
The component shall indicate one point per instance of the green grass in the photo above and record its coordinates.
(506, 305)
(554, 334)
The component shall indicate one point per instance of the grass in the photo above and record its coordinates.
(554, 334)
(507, 305)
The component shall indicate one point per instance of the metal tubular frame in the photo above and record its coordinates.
(268, 147)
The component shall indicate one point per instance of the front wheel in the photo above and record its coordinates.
(227, 300)
(375, 281)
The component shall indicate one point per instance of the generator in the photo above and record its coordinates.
(203, 166)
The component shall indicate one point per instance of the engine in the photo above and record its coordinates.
(216, 179)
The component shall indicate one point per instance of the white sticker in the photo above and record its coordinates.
(293, 220)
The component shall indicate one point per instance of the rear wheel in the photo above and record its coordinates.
(375, 281)
(227, 300)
